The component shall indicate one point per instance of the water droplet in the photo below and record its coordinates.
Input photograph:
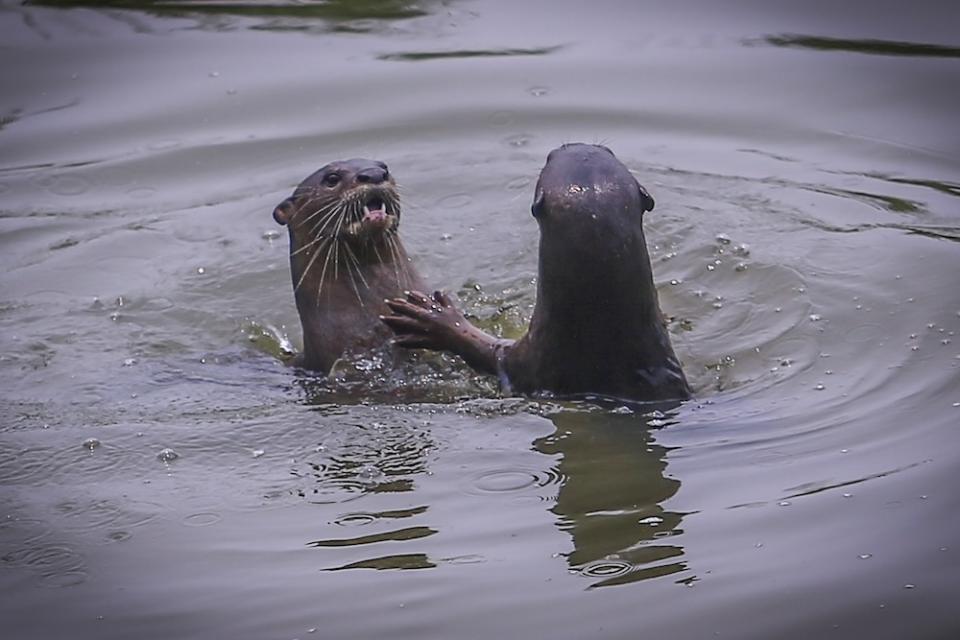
(270, 235)
(820, 387)
(847, 495)
(257, 453)
(815, 317)
(909, 586)
(201, 270)
(129, 362)
(91, 443)
(446, 236)
(783, 503)
(945, 341)
(538, 92)
(214, 74)
(676, 282)
(710, 267)
(786, 362)
(844, 450)
(653, 521)
(167, 455)
(740, 267)
(865, 556)
(742, 250)
(723, 238)
(777, 309)
(717, 305)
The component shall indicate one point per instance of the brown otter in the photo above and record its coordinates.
(596, 327)
(345, 258)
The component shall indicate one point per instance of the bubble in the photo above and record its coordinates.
(201, 270)
(257, 453)
(723, 238)
(272, 234)
(518, 141)
(538, 91)
(129, 362)
(815, 317)
(865, 556)
(783, 503)
(909, 586)
(653, 521)
(91, 443)
(820, 387)
(167, 455)
(740, 267)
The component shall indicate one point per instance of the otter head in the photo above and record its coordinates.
(590, 211)
(349, 200)
(585, 185)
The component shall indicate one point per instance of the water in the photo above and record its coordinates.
(164, 475)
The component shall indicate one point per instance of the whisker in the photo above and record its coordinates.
(307, 270)
(321, 209)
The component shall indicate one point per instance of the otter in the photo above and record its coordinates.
(596, 328)
(345, 258)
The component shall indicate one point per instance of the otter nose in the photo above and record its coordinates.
(372, 175)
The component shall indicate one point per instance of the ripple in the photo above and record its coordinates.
(606, 569)
(23, 465)
(509, 481)
(355, 519)
(57, 565)
(455, 201)
(66, 185)
(203, 519)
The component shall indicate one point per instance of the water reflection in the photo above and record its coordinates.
(330, 9)
(611, 500)
(876, 47)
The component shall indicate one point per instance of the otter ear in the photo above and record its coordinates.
(284, 211)
(646, 200)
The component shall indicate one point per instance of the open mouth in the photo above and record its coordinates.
(375, 217)
(374, 209)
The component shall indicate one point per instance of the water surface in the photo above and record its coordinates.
(804, 161)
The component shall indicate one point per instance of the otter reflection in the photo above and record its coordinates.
(610, 500)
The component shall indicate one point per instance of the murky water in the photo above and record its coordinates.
(164, 475)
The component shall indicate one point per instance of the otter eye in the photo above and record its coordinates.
(331, 179)
(537, 207)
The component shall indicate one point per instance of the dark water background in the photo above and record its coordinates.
(805, 160)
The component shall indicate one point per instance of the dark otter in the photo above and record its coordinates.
(596, 327)
(345, 258)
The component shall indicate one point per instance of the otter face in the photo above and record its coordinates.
(354, 200)
(584, 183)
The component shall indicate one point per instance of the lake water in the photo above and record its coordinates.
(805, 161)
